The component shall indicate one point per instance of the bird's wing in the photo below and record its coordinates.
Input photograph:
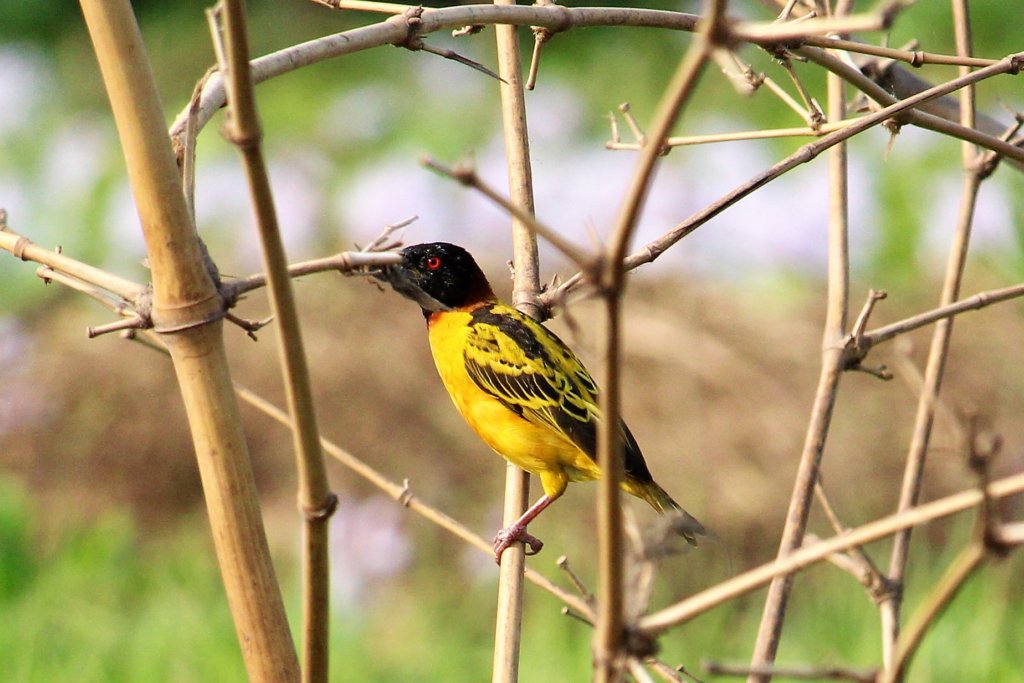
(529, 369)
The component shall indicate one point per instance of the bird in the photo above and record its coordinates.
(521, 388)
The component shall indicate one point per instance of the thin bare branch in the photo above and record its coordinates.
(780, 32)
(972, 303)
(809, 673)
(395, 29)
(609, 639)
(912, 57)
(923, 115)
(887, 526)
(857, 561)
(581, 588)
(525, 288)
(27, 250)
(345, 262)
(466, 175)
(739, 136)
(937, 353)
(316, 500)
(806, 153)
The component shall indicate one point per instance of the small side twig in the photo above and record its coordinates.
(860, 563)
(466, 175)
(413, 41)
(971, 303)
(345, 262)
(577, 583)
(809, 673)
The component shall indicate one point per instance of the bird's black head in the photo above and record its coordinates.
(446, 272)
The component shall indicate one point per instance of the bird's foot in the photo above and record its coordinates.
(511, 534)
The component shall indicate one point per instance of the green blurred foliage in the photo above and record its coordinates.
(103, 603)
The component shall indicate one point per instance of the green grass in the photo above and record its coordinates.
(101, 603)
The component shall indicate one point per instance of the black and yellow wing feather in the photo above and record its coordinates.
(533, 373)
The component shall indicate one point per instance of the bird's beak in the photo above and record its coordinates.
(404, 281)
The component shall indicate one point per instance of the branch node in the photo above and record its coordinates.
(1016, 63)
(20, 245)
(405, 496)
(324, 510)
(219, 314)
(638, 643)
(468, 30)
(886, 590)
(857, 345)
(251, 327)
(414, 41)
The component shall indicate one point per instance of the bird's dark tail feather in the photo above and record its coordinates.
(682, 522)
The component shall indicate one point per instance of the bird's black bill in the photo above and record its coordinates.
(401, 280)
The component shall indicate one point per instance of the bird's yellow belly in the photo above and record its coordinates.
(536, 449)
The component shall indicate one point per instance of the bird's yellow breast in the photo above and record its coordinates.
(534, 448)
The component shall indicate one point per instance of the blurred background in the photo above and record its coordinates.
(106, 568)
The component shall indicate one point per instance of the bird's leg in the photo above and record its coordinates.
(517, 531)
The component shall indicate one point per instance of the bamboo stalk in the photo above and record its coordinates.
(187, 312)
(316, 500)
(526, 285)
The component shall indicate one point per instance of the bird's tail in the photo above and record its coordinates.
(683, 523)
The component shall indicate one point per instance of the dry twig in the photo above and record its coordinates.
(526, 286)
(316, 501)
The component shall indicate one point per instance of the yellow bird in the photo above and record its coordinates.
(522, 390)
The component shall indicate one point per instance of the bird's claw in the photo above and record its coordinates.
(511, 534)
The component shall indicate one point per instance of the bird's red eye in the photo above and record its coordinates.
(433, 262)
